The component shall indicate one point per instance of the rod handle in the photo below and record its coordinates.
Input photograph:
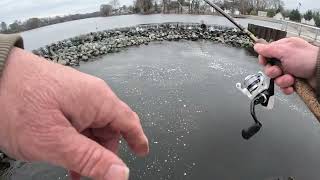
(304, 90)
(308, 96)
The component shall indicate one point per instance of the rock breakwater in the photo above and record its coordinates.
(89, 46)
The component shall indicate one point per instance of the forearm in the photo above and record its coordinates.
(7, 42)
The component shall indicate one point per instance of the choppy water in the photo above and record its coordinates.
(192, 113)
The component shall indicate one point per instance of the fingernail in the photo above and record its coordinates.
(117, 172)
(258, 47)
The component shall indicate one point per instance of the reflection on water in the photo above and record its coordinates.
(192, 113)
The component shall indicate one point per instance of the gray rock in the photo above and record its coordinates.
(85, 58)
(62, 62)
(84, 47)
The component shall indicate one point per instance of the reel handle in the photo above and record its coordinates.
(251, 131)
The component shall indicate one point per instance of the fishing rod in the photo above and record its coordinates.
(260, 91)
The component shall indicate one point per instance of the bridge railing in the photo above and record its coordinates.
(301, 30)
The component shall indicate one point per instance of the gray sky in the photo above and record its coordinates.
(23, 9)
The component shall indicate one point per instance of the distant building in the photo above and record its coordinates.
(262, 13)
(236, 12)
(212, 10)
(278, 16)
(227, 11)
(311, 22)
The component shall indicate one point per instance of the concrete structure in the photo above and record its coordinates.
(278, 16)
(262, 13)
(267, 33)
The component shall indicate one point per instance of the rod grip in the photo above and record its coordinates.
(308, 96)
(304, 90)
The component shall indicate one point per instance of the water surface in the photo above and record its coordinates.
(192, 113)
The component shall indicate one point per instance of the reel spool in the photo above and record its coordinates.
(260, 90)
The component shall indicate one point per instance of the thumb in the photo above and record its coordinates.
(271, 50)
(86, 157)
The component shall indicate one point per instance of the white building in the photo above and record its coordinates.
(278, 16)
(236, 12)
(311, 22)
(262, 13)
(227, 11)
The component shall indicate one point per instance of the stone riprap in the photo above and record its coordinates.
(89, 46)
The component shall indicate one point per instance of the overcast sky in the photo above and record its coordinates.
(23, 9)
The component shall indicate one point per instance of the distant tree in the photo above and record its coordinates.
(143, 6)
(32, 23)
(280, 9)
(136, 6)
(254, 12)
(147, 5)
(155, 6)
(114, 3)
(4, 26)
(15, 26)
(316, 17)
(295, 15)
(271, 12)
(308, 15)
(106, 10)
(286, 13)
(130, 8)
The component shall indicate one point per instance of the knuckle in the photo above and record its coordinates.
(291, 39)
(130, 114)
(134, 131)
(89, 162)
(99, 83)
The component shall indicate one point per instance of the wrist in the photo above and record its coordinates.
(7, 42)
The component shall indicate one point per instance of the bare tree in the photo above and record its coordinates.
(106, 10)
(114, 3)
(143, 6)
(4, 26)
(32, 23)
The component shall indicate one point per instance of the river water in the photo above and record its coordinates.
(185, 95)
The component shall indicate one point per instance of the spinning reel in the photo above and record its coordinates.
(260, 90)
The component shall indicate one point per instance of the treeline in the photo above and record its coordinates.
(146, 7)
(251, 7)
(245, 7)
(112, 8)
(32, 23)
(295, 15)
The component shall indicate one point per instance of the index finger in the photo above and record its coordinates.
(128, 123)
(272, 50)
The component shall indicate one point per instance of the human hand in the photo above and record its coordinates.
(56, 114)
(298, 59)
